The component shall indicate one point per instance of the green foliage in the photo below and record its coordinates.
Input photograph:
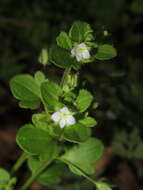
(88, 121)
(83, 156)
(41, 120)
(64, 41)
(79, 44)
(83, 100)
(61, 57)
(50, 93)
(34, 140)
(102, 186)
(105, 52)
(39, 77)
(118, 87)
(52, 175)
(4, 176)
(6, 182)
(81, 32)
(62, 131)
(77, 133)
(25, 89)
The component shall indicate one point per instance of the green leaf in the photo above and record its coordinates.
(25, 89)
(34, 140)
(88, 121)
(50, 93)
(53, 88)
(77, 133)
(43, 121)
(84, 155)
(64, 41)
(61, 57)
(4, 176)
(11, 182)
(39, 77)
(105, 52)
(34, 163)
(29, 104)
(83, 100)
(52, 175)
(103, 186)
(81, 32)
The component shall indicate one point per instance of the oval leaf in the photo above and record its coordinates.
(81, 32)
(84, 155)
(33, 140)
(105, 52)
(4, 176)
(83, 100)
(64, 41)
(61, 57)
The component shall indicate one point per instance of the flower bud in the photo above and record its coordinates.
(43, 58)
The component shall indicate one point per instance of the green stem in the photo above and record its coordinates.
(19, 163)
(45, 107)
(46, 163)
(89, 178)
(82, 172)
(63, 81)
(35, 175)
(64, 78)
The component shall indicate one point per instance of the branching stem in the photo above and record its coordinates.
(35, 175)
(19, 163)
(46, 163)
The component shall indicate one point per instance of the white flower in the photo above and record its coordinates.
(63, 117)
(81, 52)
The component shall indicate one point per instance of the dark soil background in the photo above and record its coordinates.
(27, 26)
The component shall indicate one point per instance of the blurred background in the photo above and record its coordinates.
(117, 85)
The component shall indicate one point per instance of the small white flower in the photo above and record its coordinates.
(81, 52)
(63, 117)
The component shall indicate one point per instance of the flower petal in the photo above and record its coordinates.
(56, 116)
(86, 54)
(73, 51)
(65, 110)
(78, 57)
(82, 45)
(70, 120)
(62, 123)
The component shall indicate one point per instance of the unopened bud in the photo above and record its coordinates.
(43, 58)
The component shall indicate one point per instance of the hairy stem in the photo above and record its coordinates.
(19, 163)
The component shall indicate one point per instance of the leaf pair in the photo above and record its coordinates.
(61, 54)
(31, 91)
(80, 32)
